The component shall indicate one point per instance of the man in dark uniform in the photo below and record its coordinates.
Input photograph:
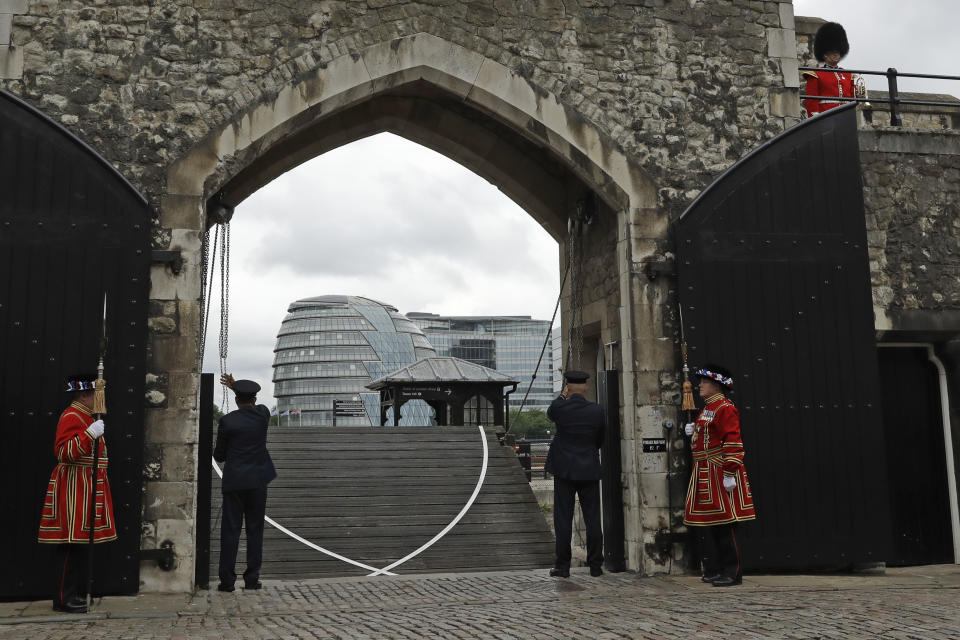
(242, 447)
(574, 461)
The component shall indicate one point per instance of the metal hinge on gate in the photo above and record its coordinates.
(654, 268)
(164, 555)
(664, 539)
(171, 258)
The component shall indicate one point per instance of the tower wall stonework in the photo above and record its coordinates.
(645, 102)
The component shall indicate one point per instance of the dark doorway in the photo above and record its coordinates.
(916, 461)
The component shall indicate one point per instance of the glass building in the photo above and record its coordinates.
(509, 344)
(556, 340)
(329, 348)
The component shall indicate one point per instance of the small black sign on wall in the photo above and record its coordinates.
(654, 445)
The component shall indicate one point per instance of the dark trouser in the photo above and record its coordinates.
(563, 500)
(71, 560)
(249, 506)
(719, 550)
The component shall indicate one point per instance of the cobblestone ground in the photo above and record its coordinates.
(525, 605)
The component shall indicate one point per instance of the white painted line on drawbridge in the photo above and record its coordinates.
(283, 529)
(466, 507)
(386, 570)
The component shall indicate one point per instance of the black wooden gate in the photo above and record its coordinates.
(774, 282)
(71, 228)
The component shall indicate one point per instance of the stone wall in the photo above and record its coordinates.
(912, 199)
(646, 101)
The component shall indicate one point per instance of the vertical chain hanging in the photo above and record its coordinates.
(220, 244)
(575, 264)
(224, 302)
(207, 258)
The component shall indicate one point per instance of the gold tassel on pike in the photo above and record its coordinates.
(100, 392)
(687, 403)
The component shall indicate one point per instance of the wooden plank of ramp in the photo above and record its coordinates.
(376, 494)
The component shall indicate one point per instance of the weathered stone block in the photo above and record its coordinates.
(183, 390)
(171, 500)
(179, 463)
(785, 103)
(782, 43)
(791, 77)
(654, 490)
(171, 426)
(14, 6)
(184, 212)
(11, 62)
(162, 325)
(6, 22)
(787, 20)
(173, 352)
(165, 285)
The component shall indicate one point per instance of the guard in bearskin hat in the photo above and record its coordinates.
(830, 46)
(718, 496)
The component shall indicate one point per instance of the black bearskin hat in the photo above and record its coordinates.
(830, 37)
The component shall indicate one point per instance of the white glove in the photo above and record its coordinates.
(95, 430)
(729, 483)
(688, 429)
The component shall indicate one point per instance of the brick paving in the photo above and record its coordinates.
(919, 603)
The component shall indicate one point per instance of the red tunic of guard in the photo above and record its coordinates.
(65, 517)
(717, 451)
(828, 81)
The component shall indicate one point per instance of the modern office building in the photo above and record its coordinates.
(556, 339)
(329, 348)
(509, 344)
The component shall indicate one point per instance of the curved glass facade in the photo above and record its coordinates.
(329, 348)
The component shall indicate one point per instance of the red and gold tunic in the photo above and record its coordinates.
(829, 81)
(717, 452)
(66, 510)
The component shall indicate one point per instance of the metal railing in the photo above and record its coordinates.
(893, 99)
(533, 455)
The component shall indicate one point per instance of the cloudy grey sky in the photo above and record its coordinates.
(386, 219)
(390, 220)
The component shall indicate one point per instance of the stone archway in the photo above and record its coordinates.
(540, 152)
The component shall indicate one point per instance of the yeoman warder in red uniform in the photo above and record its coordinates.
(65, 517)
(718, 496)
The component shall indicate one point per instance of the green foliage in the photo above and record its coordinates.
(217, 414)
(531, 424)
(274, 420)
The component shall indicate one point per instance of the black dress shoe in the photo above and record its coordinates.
(225, 587)
(710, 579)
(556, 572)
(727, 581)
(596, 572)
(71, 606)
(253, 587)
